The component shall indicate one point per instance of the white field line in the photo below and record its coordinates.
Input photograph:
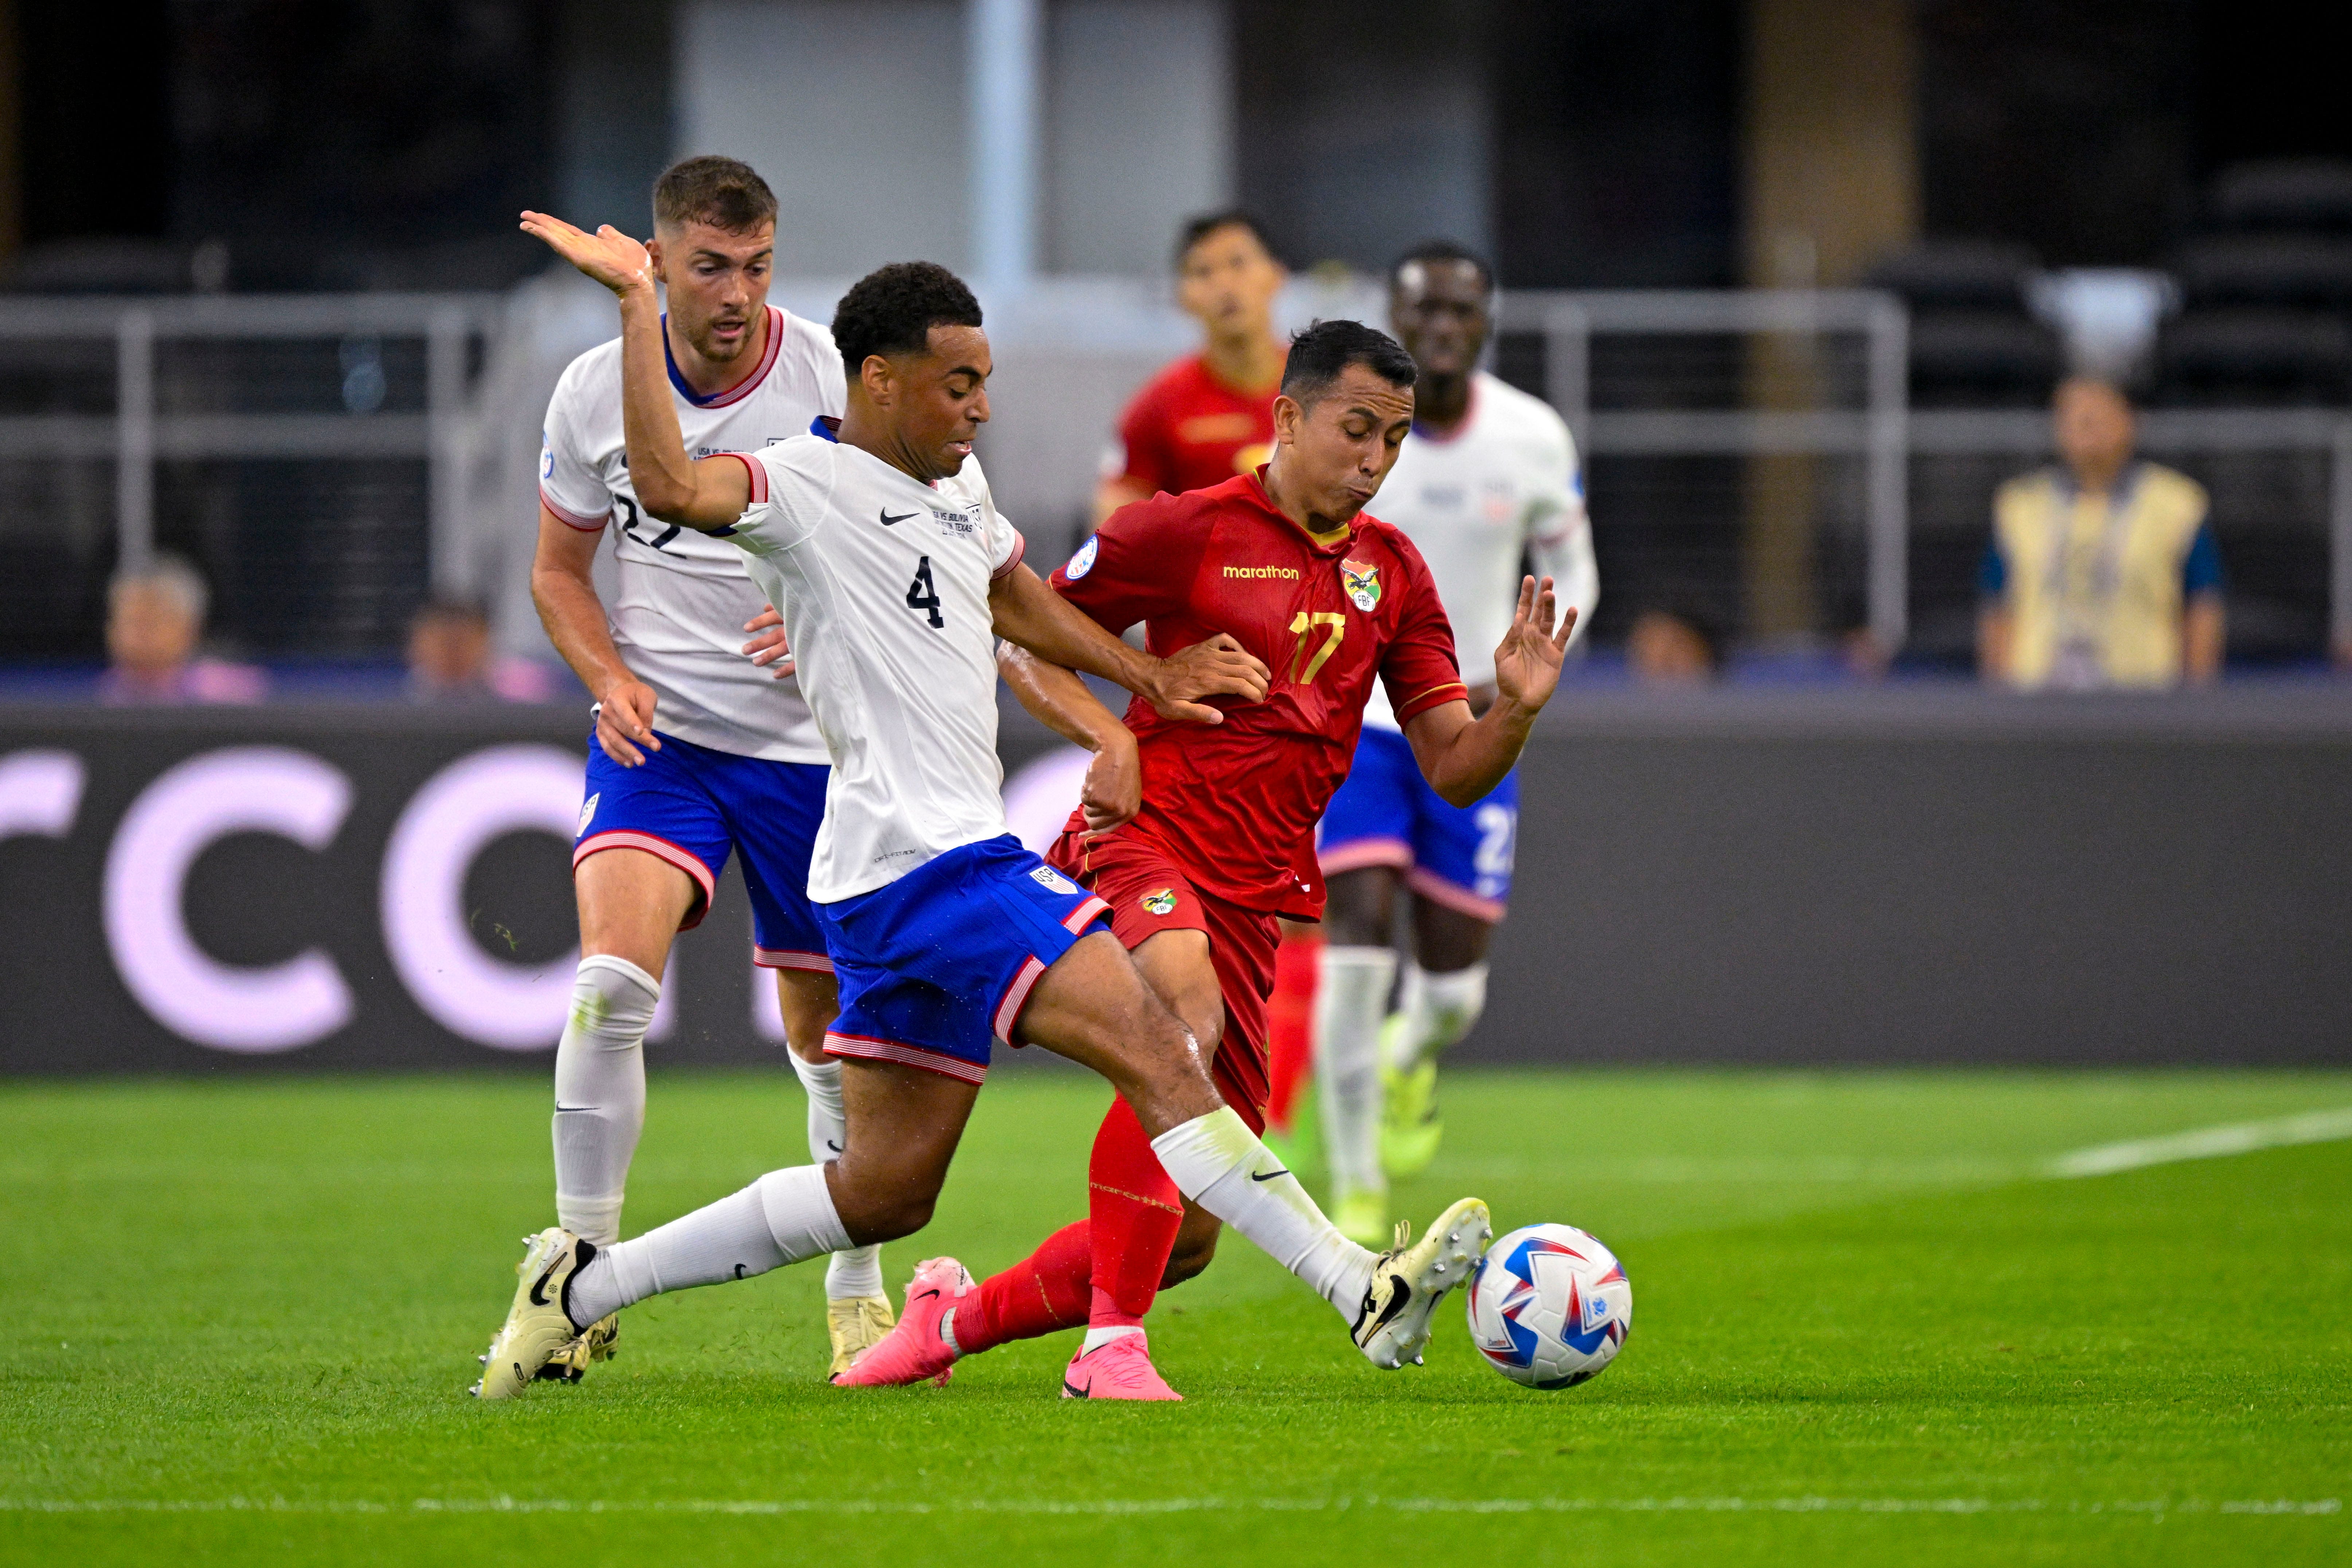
(2205, 1143)
(427, 1507)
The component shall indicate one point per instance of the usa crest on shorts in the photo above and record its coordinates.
(1362, 584)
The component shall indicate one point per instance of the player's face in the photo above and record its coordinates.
(1441, 314)
(936, 402)
(718, 283)
(1335, 451)
(1228, 282)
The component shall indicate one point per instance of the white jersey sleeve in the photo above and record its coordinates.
(571, 482)
(1559, 534)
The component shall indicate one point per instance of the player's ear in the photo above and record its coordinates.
(1287, 416)
(875, 377)
(654, 256)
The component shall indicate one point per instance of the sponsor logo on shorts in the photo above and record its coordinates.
(1362, 582)
(1160, 902)
(1053, 881)
(587, 813)
(1288, 573)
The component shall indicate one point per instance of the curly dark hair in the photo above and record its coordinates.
(892, 310)
(721, 192)
(1445, 251)
(1322, 354)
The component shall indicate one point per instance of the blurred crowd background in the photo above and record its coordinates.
(1803, 275)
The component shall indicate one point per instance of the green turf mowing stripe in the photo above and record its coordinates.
(2206, 1143)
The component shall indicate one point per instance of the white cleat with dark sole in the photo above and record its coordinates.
(537, 1326)
(1408, 1282)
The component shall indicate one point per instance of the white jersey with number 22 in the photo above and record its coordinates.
(883, 583)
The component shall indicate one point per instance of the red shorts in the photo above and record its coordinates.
(1148, 893)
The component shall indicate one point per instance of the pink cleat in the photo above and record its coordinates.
(922, 1344)
(1119, 1369)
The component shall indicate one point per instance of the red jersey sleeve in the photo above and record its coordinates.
(1418, 668)
(1143, 435)
(1139, 563)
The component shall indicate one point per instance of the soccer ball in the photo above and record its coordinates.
(1549, 1305)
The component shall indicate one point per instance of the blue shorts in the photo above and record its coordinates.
(689, 805)
(934, 968)
(1385, 814)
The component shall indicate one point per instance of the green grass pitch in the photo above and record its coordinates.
(240, 1317)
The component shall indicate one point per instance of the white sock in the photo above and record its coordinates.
(1438, 1009)
(1351, 1001)
(1097, 1338)
(858, 1271)
(599, 1093)
(1218, 1162)
(783, 1218)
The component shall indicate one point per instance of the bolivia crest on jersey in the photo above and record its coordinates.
(1162, 901)
(1363, 584)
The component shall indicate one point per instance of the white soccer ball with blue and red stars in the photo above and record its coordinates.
(1549, 1305)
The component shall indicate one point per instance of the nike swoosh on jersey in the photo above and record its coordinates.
(887, 520)
(1268, 1176)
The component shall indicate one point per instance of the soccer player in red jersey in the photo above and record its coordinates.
(1222, 841)
(1210, 416)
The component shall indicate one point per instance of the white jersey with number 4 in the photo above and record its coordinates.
(883, 581)
(678, 619)
(1504, 483)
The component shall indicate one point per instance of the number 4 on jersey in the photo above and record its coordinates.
(922, 595)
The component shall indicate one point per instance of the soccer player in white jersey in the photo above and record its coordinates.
(1489, 474)
(698, 750)
(895, 576)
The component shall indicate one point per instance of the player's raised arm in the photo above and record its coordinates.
(1464, 758)
(1031, 615)
(705, 496)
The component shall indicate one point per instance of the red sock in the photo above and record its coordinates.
(1290, 1025)
(1044, 1291)
(1133, 1212)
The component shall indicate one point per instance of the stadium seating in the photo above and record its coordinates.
(1973, 344)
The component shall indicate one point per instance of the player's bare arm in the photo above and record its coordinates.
(1464, 758)
(1058, 700)
(565, 590)
(1031, 615)
(705, 496)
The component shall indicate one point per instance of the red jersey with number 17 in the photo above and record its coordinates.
(1236, 804)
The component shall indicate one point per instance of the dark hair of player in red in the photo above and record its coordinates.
(726, 193)
(1322, 354)
(1200, 228)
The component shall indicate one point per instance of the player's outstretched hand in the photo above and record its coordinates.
(624, 722)
(608, 255)
(1113, 786)
(1220, 667)
(769, 650)
(1527, 660)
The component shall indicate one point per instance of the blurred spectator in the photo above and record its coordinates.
(449, 653)
(1674, 645)
(154, 620)
(1210, 416)
(2102, 571)
(450, 659)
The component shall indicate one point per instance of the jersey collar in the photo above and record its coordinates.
(1331, 543)
(741, 389)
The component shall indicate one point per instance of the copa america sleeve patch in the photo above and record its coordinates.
(1084, 561)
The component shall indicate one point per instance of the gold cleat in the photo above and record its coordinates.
(1408, 1281)
(537, 1326)
(583, 1350)
(856, 1324)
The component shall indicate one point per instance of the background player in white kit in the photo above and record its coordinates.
(1489, 474)
(895, 576)
(699, 749)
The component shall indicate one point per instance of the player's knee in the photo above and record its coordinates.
(1193, 1254)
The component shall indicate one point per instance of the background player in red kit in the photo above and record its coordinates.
(1208, 415)
(1223, 838)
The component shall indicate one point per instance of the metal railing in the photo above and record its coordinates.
(139, 434)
